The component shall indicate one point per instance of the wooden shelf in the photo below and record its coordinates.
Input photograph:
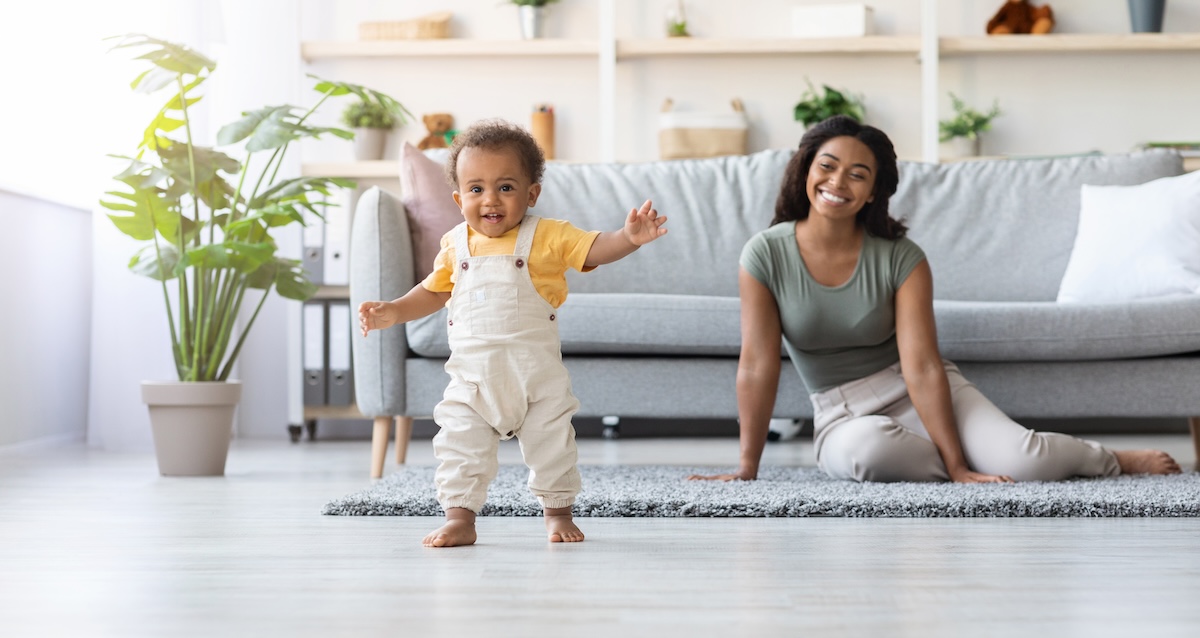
(332, 412)
(1071, 43)
(448, 47)
(370, 169)
(660, 47)
(332, 292)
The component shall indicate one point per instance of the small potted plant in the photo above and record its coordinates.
(966, 126)
(533, 17)
(677, 21)
(815, 107)
(371, 121)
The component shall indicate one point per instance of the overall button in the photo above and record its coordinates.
(551, 317)
(510, 434)
(520, 263)
(451, 322)
(464, 265)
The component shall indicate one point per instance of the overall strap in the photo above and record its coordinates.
(525, 236)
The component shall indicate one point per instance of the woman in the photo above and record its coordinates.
(836, 280)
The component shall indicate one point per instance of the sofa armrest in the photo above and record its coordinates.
(381, 268)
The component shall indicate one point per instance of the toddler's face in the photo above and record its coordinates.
(493, 190)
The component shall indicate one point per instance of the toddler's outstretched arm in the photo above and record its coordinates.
(642, 226)
(416, 303)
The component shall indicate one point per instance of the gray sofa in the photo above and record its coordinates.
(657, 333)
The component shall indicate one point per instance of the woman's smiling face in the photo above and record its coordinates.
(841, 179)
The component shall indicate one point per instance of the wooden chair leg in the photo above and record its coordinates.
(1194, 424)
(379, 443)
(403, 433)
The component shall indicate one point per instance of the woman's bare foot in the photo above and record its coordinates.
(1146, 462)
(458, 530)
(560, 526)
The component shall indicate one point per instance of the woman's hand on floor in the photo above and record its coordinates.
(968, 476)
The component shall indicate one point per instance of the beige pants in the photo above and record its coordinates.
(507, 380)
(868, 430)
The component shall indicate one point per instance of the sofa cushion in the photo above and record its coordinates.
(429, 203)
(1048, 331)
(689, 325)
(713, 206)
(1136, 241)
(616, 323)
(1002, 230)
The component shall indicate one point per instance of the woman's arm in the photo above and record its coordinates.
(757, 375)
(925, 376)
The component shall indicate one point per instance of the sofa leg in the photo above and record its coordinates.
(403, 434)
(379, 442)
(1194, 424)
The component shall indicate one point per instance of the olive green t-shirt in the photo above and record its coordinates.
(840, 333)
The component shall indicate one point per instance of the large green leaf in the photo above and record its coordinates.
(237, 131)
(243, 257)
(299, 189)
(176, 58)
(160, 263)
(394, 107)
(288, 277)
(210, 186)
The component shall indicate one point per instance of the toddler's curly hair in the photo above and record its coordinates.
(498, 134)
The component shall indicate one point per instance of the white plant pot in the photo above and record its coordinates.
(963, 147)
(192, 424)
(533, 21)
(369, 143)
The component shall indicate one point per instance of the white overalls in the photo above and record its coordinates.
(506, 379)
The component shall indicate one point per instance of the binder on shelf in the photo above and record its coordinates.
(337, 239)
(341, 372)
(313, 353)
(313, 248)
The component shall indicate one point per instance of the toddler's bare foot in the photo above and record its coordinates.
(458, 530)
(1146, 462)
(560, 526)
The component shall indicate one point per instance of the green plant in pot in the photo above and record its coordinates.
(372, 120)
(817, 106)
(207, 224)
(967, 125)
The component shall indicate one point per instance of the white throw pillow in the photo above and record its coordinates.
(1136, 241)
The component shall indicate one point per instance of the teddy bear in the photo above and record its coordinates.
(438, 124)
(1018, 16)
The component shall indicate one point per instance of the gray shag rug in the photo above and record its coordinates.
(662, 491)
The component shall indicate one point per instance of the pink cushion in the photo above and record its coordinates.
(428, 198)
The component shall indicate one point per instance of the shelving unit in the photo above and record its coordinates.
(608, 52)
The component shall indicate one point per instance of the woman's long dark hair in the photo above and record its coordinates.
(793, 203)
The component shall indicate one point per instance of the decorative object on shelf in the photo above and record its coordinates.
(966, 125)
(541, 126)
(677, 21)
(428, 27)
(532, 14)
(852, 20)
(438, 125)
(209, 242)
(815, 107)
(1146, 16)
(1018, 16)
(372, 121)
(692, 135)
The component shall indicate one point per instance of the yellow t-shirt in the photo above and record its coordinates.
(557, 246)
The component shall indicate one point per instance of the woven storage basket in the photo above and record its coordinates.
(689, 135)
(432, 26)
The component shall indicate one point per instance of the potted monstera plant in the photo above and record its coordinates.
(207, 223)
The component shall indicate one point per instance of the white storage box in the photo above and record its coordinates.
(832, 21)
(691, 135)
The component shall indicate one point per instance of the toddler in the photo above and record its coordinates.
(502, 275)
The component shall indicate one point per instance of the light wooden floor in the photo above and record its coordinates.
(97, 544)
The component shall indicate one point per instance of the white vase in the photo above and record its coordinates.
(962, 147)
(369, 143)
(533, 21)
(192, 423)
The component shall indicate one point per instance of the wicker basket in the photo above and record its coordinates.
(432, 26)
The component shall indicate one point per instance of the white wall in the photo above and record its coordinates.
(1057, 103)
(46, 297)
